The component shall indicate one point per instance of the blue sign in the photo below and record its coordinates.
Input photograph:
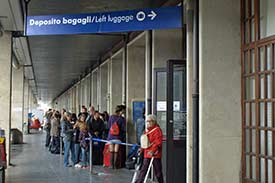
(138, 107)
(120, 21)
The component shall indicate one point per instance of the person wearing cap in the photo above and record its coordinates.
(67, 134)
(154, 134)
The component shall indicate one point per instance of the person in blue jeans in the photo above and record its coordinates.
(84, 143)
(67, 134)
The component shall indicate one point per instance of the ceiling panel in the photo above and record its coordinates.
(60, 60)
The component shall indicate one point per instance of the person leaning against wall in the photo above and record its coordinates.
(154, 134)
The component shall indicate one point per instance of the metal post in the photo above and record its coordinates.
(90, 154)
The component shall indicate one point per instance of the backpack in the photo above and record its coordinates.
(114, 130)
(144, 140)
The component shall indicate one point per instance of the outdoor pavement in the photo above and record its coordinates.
(33, 163)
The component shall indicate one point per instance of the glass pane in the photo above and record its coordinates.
(253, 168)
(252, 58)
(267, 27)
(247, 159)
(253, 114)
(262, 96)
(250, 88)
(261, 59)
(262, 114)
(246, 62)
(269, 175)
(268, 81)
(161, 100)
(179, 102)
(269, 143)
(262, 170)
(262, 142)
(252, 29)
(253, 141)
(268, 59)
(247, 28)
(269, 114)
(247, 140)
(247, 114)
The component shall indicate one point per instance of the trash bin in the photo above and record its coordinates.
(16, 136)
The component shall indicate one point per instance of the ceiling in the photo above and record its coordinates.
(59, 61)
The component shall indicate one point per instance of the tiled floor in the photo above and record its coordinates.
(34, 164)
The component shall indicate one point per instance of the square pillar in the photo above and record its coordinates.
(17, 98)
(5, 87)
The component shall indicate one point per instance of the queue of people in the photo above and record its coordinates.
(76, 130)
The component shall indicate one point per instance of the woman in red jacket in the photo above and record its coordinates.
(155, 150)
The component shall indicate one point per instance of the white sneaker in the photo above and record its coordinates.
(77, 166)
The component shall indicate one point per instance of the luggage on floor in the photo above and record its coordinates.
(121, 156)
(132, 158)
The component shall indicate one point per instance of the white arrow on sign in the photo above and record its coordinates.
(152, 15)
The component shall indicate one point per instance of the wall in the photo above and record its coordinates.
(220, 91)
(116, 81)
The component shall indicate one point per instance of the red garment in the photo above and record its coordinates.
(155, 138)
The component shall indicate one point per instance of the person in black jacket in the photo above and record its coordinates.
(96, 129)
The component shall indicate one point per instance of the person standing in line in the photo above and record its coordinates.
(96, 129)
(154, 134)
(105, 117)
(55, 132)
(76, 141)
(116, 125)
(84, 144)
(67, 134)
(91, 113)
(47, 127)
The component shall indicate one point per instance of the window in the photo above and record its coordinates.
(258, 99)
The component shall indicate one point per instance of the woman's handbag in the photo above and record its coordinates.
(144, 140)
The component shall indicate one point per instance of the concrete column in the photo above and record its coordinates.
(103, 86)
(94, 89)
(189, 65)
(135, 81)
(30, 100)
(26, 100)
(5, 87)
(17, 98)
(220, 91)
(116, 81)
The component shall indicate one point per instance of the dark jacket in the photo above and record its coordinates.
(97, 125)
(67, 130)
